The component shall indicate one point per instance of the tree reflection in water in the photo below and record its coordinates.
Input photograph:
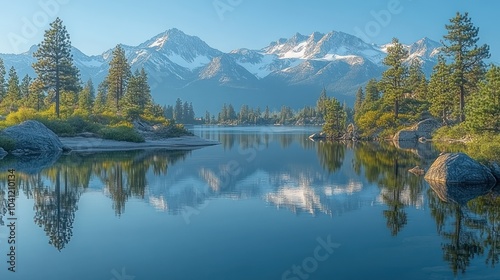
(469, 224)
(387, 167)
(57, 189)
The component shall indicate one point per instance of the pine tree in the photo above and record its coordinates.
(3, 86)
(358, 103)
(207, 117)
(118, 77)
(267, 114)
(335, 120)
(86, 98)
(231, 113)
(417, 83)
(484, 106)
(101, 98)
(169, 112)
(372, 93)
(137, 99)
(13, 95)
(191, 112)
(468, 66)
(25, 87)
(54, 66)
(441, 91)
(321, 104)
(178, 117)
(35, 96)
(393, 79)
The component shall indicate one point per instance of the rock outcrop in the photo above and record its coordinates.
(423, 129)
(495, 170)
(318, 135)
(459, 168)
(33, 138)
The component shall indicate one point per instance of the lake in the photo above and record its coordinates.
(267, 203)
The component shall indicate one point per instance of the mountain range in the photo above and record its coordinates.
(288, 72)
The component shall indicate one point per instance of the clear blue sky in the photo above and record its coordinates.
(96, 26)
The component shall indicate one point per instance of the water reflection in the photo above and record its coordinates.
(469, 223)
(286, 170)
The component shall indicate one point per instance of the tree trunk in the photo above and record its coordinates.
(462, 103)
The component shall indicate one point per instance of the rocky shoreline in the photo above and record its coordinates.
(32, 138)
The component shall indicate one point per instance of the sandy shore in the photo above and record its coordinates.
(96, 144)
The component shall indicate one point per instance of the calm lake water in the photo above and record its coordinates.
(265, 204)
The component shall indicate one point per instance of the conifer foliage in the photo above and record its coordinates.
(54, 66)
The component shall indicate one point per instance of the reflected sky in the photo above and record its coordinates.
(249, 208)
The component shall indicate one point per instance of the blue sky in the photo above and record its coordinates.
(96, 26)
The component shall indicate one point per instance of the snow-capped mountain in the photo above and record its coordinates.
(180, 65)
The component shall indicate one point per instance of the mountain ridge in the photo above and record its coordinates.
(184, 66)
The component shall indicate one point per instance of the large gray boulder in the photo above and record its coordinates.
(459, 168)
(423, 129)
(32, 138)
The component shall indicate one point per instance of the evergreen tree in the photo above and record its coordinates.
(86, 98)
(483, 109)
(441, 90)
(169, 112)
(35, 96)
(25, 87)
(231, 113)
(358, 103)
(2, 80)
(101, 97)
(335, 120)
(468, 66)
(137, 98)
(69, 100)
(207, 117)
(322, 104)
(372, 93)
(267, 114)
(393, 79)
(185, 112)
(13, 95)
(54, 66)
(118, 77)
(243, 115)
(191, 114)
(417, 83)
(178, 111)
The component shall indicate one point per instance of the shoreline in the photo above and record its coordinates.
(92, 144)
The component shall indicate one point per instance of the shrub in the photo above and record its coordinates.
(121, 133)
(23, 114)
(59, 127)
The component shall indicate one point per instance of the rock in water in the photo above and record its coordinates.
(32, 137)
(459, 168)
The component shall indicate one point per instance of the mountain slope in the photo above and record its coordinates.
(287, 71)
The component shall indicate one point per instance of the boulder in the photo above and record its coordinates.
(423, 129)
(459, 168)
(32, 138)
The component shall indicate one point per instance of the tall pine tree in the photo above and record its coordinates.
(54, 66)
(101, 98)
(393, 79)
(3, 87)
(441, 89)
(460, 44)
(118, 77)
(86, 98)
(13, 95)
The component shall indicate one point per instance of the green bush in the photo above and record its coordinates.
(59, 127)
(121, 133)
(7, 143)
